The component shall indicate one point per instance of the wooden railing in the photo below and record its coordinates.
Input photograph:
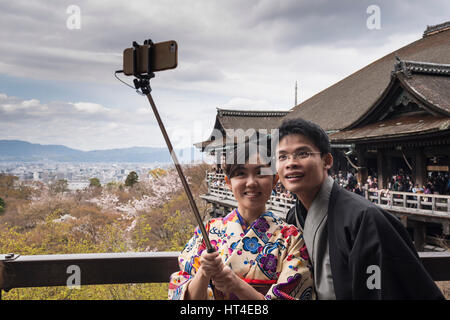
(119, 268)
(419, 202)
(210, 176)
(90, 269)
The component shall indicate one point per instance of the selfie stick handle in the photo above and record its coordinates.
(182, 178)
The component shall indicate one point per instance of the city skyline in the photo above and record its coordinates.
(78, 174)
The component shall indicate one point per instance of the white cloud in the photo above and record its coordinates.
(144, 111)
(91, 108)
(15, 106)
(88, 126)
(31, 103)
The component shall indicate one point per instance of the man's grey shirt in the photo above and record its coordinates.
(315, 233)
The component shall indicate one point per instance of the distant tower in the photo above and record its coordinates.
(295, 93)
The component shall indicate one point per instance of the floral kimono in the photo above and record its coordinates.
(270, 255)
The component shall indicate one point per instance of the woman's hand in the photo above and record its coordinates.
(226, 281)
(210, 264)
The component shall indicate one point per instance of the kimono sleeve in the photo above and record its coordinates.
(189, 262)
(295, 281)
(384, 263)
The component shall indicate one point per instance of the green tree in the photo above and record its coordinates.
(132, 179)
(94, 183)
(2, 205)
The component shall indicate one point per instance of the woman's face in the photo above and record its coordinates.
(252, 184)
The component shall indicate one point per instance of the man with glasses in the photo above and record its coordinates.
(358, 250)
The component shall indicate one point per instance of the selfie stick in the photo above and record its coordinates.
(143, 82)
(183, 179)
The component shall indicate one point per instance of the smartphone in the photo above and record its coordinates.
(164, 57)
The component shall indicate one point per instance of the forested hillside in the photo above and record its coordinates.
(151, 215)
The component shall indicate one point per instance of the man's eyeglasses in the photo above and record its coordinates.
(299, 155)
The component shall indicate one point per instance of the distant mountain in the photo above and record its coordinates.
(16, 150)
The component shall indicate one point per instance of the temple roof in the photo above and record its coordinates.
(346, 102)
(436, 29)
(429, 81)
(249, 119)
(244, 120)
(416, 102)
(395, 128)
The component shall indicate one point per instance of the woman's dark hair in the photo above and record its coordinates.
(310, 130)
(240, 154)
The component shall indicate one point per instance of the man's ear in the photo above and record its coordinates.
(228, 182)
(328, 161)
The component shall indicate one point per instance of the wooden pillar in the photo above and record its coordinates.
(446, 228)
(383, 176)
(419, 235)
(404, 221)
(387, 164)
(338, 161)
(420, 168)
(214, 211)
(362, 172)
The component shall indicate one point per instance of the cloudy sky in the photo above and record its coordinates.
(57, 82)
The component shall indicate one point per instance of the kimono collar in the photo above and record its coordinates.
(245, 226)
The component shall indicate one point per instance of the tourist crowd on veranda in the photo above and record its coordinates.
(437, 183)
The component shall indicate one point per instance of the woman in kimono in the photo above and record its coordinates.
(258, 255)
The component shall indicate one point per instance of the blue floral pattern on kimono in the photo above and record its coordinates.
(269, 254)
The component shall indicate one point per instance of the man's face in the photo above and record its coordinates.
(301, 176)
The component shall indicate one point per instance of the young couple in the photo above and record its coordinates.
(341, 247)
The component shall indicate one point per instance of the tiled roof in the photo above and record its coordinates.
(406, 125)
(430, 30)
(244, 120)
(249, 119)
(434, 90)
(409, 67)
(429, 86)
(343, 103)
(250, 113)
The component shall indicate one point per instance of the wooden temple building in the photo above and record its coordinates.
(392, 114)
(230, 124)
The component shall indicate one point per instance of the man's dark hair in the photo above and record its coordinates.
(310, 130)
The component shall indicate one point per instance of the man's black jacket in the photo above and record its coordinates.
(362, 237)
